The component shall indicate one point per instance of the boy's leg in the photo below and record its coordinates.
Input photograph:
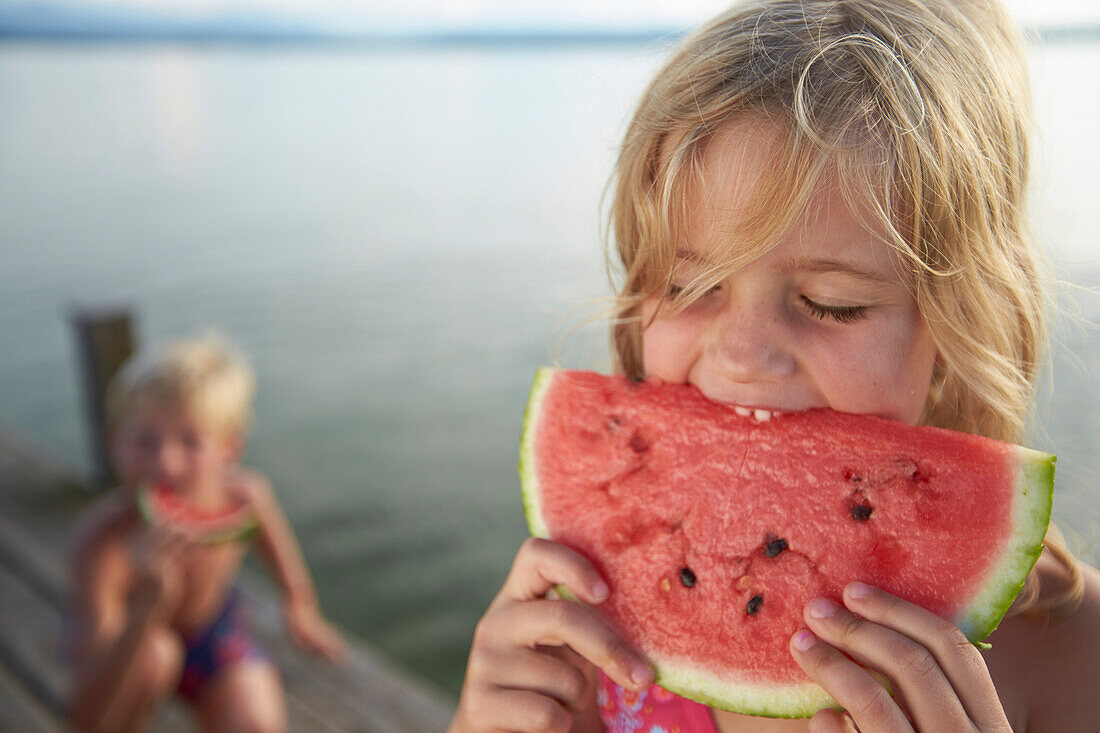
(159, 663)
(245, 697)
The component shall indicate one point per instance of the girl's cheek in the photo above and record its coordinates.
(670, 346)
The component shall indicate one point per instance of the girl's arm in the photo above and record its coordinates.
(1063, 661)
(279, 548)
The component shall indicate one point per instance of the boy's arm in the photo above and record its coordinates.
(108, 635)
(279, 548)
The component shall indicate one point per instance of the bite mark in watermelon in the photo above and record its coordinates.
(713, 528)
(162, 505)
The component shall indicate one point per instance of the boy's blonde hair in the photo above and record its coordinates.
(206, 377)
(921, 110)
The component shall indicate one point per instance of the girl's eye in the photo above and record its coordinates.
(675, 291)
(839, 313)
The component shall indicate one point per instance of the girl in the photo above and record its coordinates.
(820, 204)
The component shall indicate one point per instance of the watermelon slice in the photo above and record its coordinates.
(162, 505)
(713, 526)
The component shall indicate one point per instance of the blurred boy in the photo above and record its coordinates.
(155, 611)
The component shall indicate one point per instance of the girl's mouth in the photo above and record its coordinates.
(758, 413)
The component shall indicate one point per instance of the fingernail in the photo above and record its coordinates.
(600, 590)
(803, 640)
(859, 590)
(822, 608)
(642, 674)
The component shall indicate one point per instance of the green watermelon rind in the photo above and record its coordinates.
(1030, 519)
(529, 482)
(977, 620)
(239, 531)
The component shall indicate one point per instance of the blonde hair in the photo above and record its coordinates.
(921, 109)
(204, 376)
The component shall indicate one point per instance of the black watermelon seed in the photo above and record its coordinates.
(774, 547)
(687, 577)
(861, 512)
(754, 605)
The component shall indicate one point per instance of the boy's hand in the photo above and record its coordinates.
(939, 679)
(156, 551)
(527, 667)
(310, 632)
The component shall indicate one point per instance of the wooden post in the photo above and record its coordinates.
(105, 340)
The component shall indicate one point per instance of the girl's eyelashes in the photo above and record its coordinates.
(675, 291)
(839, 313)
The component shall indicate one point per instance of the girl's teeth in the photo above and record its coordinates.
(762, 415)
(742, 411)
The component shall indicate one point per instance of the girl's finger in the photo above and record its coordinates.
(562, 623)
(867, 701)
(960, 661)
(525, 711)
(832, 721)
(527, 669)
(541, 564)
(921, 686)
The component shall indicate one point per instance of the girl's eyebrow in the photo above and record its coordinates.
(802, 264)
(689, 255)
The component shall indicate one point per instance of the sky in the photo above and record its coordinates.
(618, 13)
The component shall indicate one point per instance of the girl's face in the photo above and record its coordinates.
(824, 319)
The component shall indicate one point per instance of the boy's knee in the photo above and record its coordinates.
(161, 660)
(248, 698)
(269, 720)
(265, 714)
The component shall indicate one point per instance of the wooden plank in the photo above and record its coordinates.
(19, 711)
(367, 693)
(30, 651)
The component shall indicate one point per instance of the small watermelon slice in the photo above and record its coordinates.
(713, 528)
(161, 504)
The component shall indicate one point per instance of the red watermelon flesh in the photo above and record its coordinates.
(714, 529)
(161, 504)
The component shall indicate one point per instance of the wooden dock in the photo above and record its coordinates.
(39, 501)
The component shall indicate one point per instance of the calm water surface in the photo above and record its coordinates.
(394, 237)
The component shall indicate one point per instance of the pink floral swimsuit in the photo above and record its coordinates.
(655, 710)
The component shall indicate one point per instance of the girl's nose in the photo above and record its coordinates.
(751, 344)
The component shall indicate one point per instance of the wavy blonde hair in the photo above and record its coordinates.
(921, 108)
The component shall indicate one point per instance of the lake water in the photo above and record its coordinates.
(395, 238)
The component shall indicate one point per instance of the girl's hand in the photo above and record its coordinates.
(527, 666)
(311, 633)
(939, 679)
